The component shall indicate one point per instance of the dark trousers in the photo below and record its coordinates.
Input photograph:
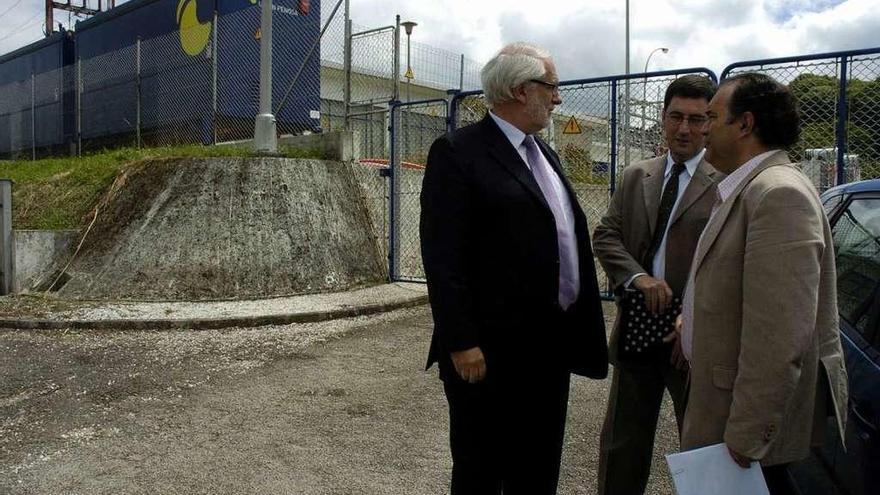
(627, 440)
(779, 480)
(506, 432)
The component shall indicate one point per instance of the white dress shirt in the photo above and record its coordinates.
(725, 189)
(565, 232)
(658, 264)
(514, 135)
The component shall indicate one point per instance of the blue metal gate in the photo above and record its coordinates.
(839, 98)
(602, 125)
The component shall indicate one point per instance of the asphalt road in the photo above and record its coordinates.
(340, 407)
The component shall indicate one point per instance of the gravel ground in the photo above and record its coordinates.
(338, 407)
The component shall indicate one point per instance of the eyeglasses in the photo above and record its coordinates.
(695, 120)
(552, 86)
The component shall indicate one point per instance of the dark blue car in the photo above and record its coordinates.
(854, 214)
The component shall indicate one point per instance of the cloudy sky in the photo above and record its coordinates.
(587, 37)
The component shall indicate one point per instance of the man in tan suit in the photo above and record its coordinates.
(646, 241)
(759, 324)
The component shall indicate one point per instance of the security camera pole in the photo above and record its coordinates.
(265, 135)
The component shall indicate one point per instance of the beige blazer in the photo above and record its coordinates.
(623, 236)
(767, 365)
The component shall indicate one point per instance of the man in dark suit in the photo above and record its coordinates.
(511, 281)
(646, 242)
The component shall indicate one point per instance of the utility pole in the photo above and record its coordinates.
(82, 9)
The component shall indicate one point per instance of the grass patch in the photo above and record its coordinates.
(28, 306)
(57, 193)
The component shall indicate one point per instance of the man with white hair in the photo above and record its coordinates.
(512, 283)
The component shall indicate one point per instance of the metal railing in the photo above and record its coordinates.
(596, 131)
(839, 99)
(150, 93)
(414, 127)
(143, 95)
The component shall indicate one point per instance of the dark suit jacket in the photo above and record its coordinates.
(490, 253)
(624, 234)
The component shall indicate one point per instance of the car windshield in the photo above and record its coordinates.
(857, 246)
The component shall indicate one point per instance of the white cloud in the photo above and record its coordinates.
(587, 36)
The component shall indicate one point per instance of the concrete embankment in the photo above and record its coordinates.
(226, 228)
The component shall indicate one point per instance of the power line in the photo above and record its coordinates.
(22, 27)
(10, 8)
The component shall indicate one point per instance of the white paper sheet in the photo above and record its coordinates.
(711, 470)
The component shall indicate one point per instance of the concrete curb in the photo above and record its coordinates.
(215, 323)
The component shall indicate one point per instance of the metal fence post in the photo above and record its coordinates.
(346, 88)
(613, 147)
(6, 265)
(452, 100)
(840, 132)
(626, 129)
(215, 50)
(33, 117)
(393, 239)
(79, 90)
(395, 89)
(138, 92)
(461, 74)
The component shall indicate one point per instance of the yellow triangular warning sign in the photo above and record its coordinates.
(409, 73)
(572, 127)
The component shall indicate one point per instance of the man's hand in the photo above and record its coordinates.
(677, 359)
(469, 364)
(657, 293)
(743, 461)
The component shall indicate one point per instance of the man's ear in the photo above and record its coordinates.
(747, 123)
(519, 92)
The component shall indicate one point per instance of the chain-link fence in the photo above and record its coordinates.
(602, 126)
(839, 100)
(862, 128)
(355, 89)
(17, 119)
(194, 84)
(36, 115)
(441, 69)
(162, 91)
(414, 127)
(108, 99)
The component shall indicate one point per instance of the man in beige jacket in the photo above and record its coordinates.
(759, 322)
(646, 242)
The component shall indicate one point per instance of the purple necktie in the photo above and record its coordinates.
(557, 199)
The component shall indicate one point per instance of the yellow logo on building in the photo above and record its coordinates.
(194, 35)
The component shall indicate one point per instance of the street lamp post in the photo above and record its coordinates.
(265, 135)
(645, 90)
(408, 26)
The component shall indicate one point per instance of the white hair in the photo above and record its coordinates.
(513, 65)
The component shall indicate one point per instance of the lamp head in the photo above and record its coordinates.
(408, 26)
